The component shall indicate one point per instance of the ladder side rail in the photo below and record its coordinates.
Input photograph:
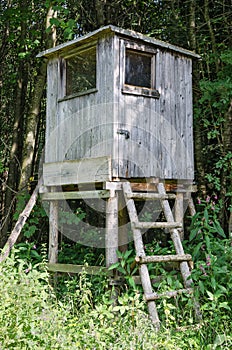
(138, 242)
(184, 267)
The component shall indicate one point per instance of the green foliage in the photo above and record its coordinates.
(32, 317)
(126, 266)
(211, 252)
(212, 112)
(75, 253)
(27, 252)
(26, 311)
(69, 218)
(205, 221)
(38, 215)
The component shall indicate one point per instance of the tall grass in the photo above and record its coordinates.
(32, 317)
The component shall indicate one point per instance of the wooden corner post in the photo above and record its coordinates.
(53, 231)
(111, 239)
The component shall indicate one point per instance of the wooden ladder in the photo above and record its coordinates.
(141, 257)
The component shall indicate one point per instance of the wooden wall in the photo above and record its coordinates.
(77, 126)
(161, 134)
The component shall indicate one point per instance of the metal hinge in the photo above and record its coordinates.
(124, 132)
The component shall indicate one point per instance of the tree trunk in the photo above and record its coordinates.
(211, 32)
(31, 128)
(14, 160)
(33, 115)
(226, 180)
(198, 143)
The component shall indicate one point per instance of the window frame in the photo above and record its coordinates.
(63, 73)
(134, 89)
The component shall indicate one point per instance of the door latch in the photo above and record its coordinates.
(124, 132)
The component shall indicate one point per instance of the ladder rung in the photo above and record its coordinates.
(147, 225)
(154, 296)
(163, 258)
(150, 196)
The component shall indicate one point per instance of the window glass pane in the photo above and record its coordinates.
(81, 72)
(138, 69)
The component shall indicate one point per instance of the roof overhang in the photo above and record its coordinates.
(70, 45)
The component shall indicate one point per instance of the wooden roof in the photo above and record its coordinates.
(70, 45)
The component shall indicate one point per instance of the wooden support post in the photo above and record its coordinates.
(111, 239)
(53, 231)
(179, 212)
(122, 220)
(191, 205)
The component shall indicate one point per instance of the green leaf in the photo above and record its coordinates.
(35, 254)
(127, 254)
(30, 231)
(131, 282)
(224, 305)
(206, 215)
(54, 21)
(114, 266)
(169, 280)
(202, 287)
(196, 250)
(207, 242)
(210, 295)
(194, 220)
(213, 283)
(193, 234)
(119, 254)
(122, 270)
(219, 229)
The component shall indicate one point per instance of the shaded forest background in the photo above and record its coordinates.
(28, 27)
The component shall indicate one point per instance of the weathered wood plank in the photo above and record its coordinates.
(71, 268)
(77, 171)
(48, 196)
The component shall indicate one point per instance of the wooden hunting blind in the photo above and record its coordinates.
(118, 95)
(119, 117)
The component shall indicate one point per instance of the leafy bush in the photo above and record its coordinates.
(36, 223)
(32, 318)
(79, 312)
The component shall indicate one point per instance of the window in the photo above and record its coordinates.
(81, 72)
(139, 73)
(138, 69)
